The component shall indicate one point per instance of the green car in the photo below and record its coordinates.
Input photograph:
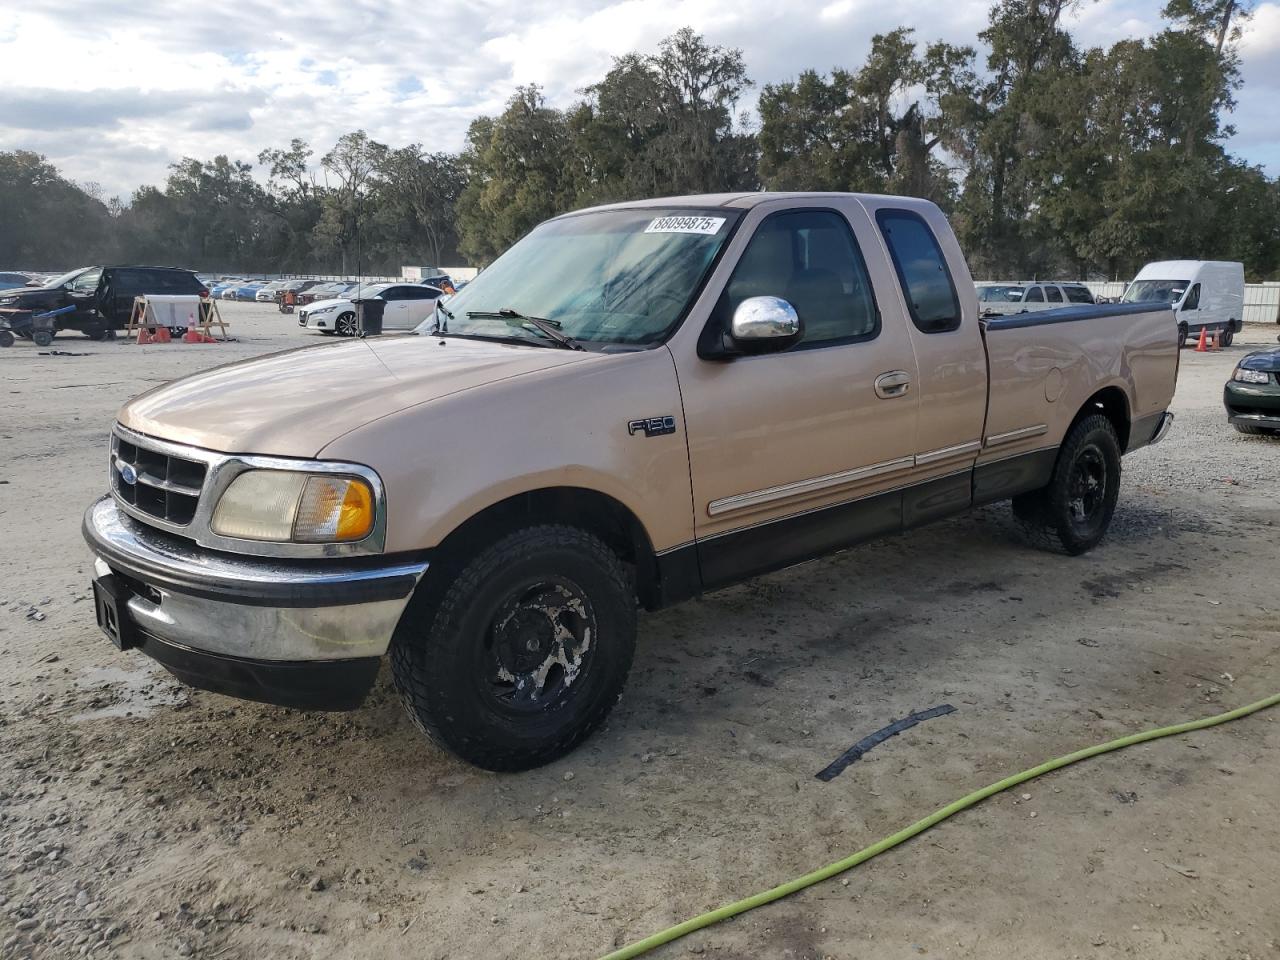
(1252, 395)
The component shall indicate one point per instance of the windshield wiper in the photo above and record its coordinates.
(550, 328)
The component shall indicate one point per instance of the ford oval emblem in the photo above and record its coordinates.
(127, 473)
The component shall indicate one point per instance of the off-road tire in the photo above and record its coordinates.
(1046, 516)
(440, 644)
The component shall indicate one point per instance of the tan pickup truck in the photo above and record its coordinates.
(633, 405)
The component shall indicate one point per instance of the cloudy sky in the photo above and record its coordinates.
(113, 91)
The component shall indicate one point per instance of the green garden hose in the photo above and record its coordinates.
(888, 843)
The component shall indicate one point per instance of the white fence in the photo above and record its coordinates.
(1261, 300)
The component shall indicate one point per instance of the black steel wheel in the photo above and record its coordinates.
(516, 659)
(1074, 511)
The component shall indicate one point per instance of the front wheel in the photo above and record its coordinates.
(1073, 512)
(345, 325)
(523, 654)
(1183, 333)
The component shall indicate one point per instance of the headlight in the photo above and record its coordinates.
(324, 310)
(6, 301)
(284, 506)
(1250, 376)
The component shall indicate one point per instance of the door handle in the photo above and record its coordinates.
(895, 383)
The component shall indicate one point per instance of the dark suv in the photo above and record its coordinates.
(103, 296)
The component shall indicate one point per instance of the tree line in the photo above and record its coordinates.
(1051, 159)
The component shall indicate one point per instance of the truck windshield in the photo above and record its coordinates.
(613, 276)
(1002, 294)
(1155, 291)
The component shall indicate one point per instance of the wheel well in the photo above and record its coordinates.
(589, 510)
(1114, 405)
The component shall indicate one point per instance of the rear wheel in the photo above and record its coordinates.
(1226, 337)
(1073, 512)
(523, 654)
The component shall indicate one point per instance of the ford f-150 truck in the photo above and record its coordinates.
(633, 405)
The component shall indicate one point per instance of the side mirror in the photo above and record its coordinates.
(764, 325)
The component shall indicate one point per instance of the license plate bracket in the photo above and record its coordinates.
(111, 605)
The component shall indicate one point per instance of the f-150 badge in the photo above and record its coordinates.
(652, 426)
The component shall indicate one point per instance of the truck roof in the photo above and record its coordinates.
(744, 201)
(1181, 269)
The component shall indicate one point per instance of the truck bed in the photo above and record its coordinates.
(1044, 366)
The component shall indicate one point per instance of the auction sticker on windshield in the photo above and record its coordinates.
(706, 225)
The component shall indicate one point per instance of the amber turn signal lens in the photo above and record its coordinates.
(334, 510)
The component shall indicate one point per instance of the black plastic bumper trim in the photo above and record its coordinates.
(303, 685)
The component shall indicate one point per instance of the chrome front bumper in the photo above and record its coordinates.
(250, 617)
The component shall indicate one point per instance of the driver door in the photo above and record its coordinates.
(796, 453)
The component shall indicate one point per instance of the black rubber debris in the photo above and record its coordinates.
(854, 753)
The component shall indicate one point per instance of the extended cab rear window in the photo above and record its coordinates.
(922, 271)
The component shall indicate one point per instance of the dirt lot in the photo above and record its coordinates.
(142, 819)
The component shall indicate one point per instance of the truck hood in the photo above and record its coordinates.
(295, 403)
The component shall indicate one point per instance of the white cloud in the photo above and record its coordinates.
(140, 83)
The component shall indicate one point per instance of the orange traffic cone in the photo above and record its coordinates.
(1217, 340)
(161, 335)
(144, 336)
(191, 336)
(1200, 347)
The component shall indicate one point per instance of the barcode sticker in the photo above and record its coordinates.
(704, 225)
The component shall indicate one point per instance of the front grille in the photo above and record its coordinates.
(164, 486)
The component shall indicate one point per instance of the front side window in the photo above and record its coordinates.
(1193, 299)
(86, 282)
(810, 259)
(1055, 295)
(1035, 295)
(922, 271)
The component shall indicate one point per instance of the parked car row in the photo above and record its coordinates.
(406, 305)
(1204, 295)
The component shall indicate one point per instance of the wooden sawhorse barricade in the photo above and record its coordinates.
(151, 311)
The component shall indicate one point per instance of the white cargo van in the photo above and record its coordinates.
(1205, 294)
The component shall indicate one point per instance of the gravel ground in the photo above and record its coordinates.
(142, 819)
